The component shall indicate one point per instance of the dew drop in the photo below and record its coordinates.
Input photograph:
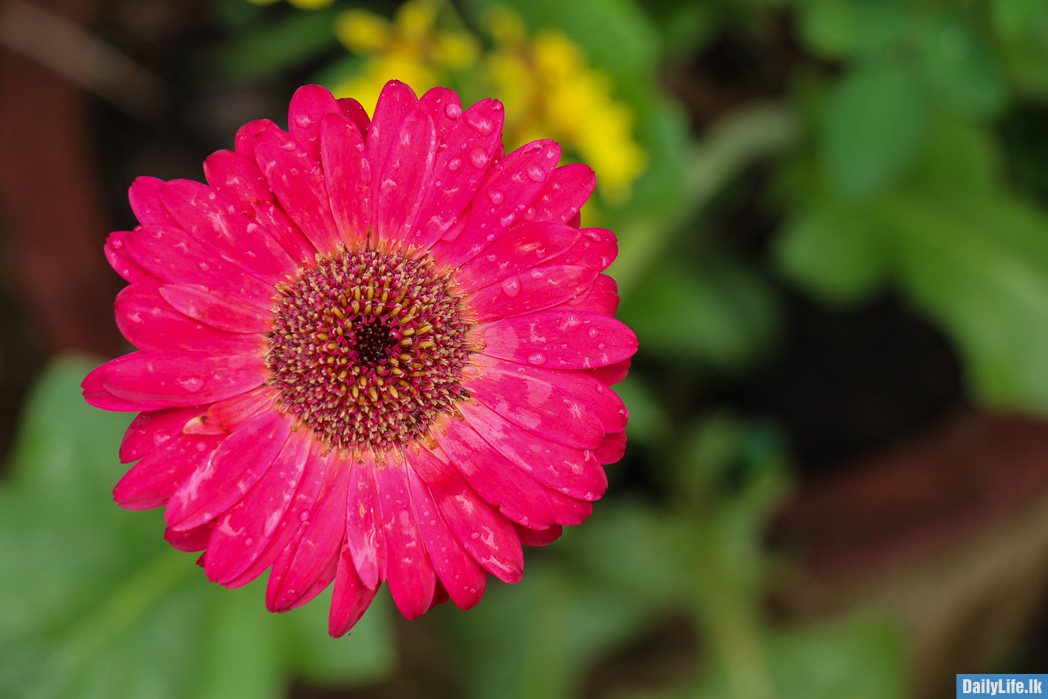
(592, 332)
(495, 196)
(452, 110)
(591, 234)
(491, 258)
(204, 267)
(540, 253)
(535, 173)
(479, 157)
(405, 138)
(489, 237)
(506, 220)
(191, 383)
(454, 164)
(201, 446)
(569, 322)
(511, 286)
(288, 145)
(480, 124)
(161, 436)
(536, 358)
(303, 120)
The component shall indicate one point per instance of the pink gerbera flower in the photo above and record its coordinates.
(370, 351)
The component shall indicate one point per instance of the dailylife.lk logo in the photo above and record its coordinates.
(1001, 685)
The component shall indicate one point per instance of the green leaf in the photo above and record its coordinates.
(980, 267)
(721, 314)
(959, 67)
(272, 46)
(839, 28)
(836, 253)
(1014, 17)
(872, 128)
(94, 603)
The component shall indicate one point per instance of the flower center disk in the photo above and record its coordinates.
(367, 348)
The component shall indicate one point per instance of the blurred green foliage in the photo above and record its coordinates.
(896, 146)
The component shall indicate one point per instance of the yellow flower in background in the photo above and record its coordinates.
(410, 48)
(548, 89)
(300, 4)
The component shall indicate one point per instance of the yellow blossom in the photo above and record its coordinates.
(409, 48)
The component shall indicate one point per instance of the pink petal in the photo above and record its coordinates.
(571, 471)
(191, 540)
(350, 598)
(462, 161)
(309, 105)
(593, 393)
(562, 198)
(172, 255)
(502, 484)
(216, 309)
(533, 290)
(304, 570)
(543, 537)
(594, 247)
(120, 260)
(171, 379)
(245, 138)
(612, 449)
(485, 534)
(537, 406)
(443, 106)
(235, 466)
(408, 570)
(150, 323)
(296, 179)
(347, 174)
(523, 247)
(244, 531)
(462, 577)
(601, 297)
(96, 394)
(611, 374)
(394, 105)
(237, 177)
(570, 511)
(508, 190)
(273, 218)
(152, 481)
(559, 340)
(215, 221)
(352, 110)
(404, 174)
(144, 196)
(150, 430)
(233, 413)
(364, 536)
(311, 489)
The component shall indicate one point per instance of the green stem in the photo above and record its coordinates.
(721, 156)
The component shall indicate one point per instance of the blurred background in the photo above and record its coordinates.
(834, 251)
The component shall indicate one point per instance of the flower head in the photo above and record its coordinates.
(370, 350)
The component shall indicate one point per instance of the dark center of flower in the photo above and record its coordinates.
(367, 348)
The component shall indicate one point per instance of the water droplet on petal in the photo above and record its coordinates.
(405, 138)
(288, 145)
(479, 157)
(454, 164)
(480, 123)
(191, 383)
(592, 235)
(204, 267)
(491, 258)
(452, 110)
(536, 174)
(506, 220)
(161, 436)
(592, 332)
(536, 358)
(569, 322)
(495, 196)
(303, 120)
(201, 446)
(511, 286)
